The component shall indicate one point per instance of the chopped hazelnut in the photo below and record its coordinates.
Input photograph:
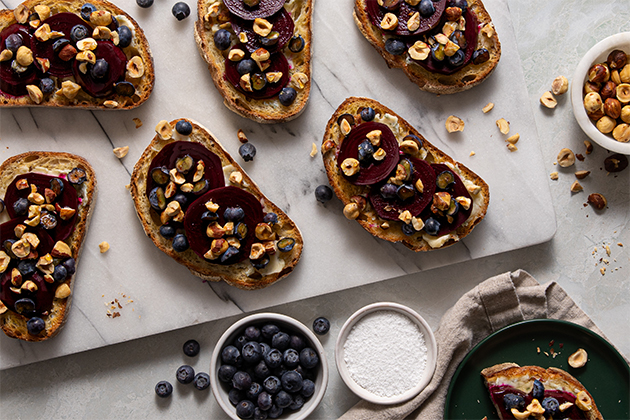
(578, 359)
(576, 187)
(101, 18)
(61, 250)
(236, 54)
(487, 108)
(503, 125)
(350, 166)
(454, 124)
(87, 44)
(419, 51)
(103, 247)
(351, 211)
(264, 232)
(513, 139)
(389, 22)
(63, 291)
(164, 130)
(299, 80)
(135, 67)
(582, 174)
(257, 251)
(70, 89)
(554, 176)
(262, 27)
(583, 401)
(566, 158)
(236, 177)
(6, 55)
(560, 85)
(121, 152)
(597, 200)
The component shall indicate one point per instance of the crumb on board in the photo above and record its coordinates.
(138, 122)
(314, 150)
(103, 247)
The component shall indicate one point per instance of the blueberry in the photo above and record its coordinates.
(20, 207)
(395, 46)
(124, 36)
(245, 66)
(261, 370)
(48, 221)
(270, 218)
(185, 374)
(261, 262)
(321, 325)
(209, 216)
(323, 193)
(287, 96)
(70, 265)
(241, 380)
(86, 11)
(551, 406)
(462, 4)
(99, 69)
(456, 59)
(231, 356)
(222, 39)
(538, 391)
(201, 381)
(59, 44)
(480, 56)
(240, 341)
(226, 373)
(308, 388)
(308, 358)
(13, 42)
(273, 358)
(415, 138)
(77, 176)
(298, 402)
(163, 389)
(47, 85)
(291, 358)
(184, 127)
(368, 114)
(366, 150)
(296, 44)
(269, 330)
(259, 414)
(233, 214)
(272, 385)
(264, 348)
(426, 8)
(27, 267)
(229, 253)
(297, 342)
(388, 191)
(35, 325)
(408, 229)
(1, 205)
(245, 409)
(144, 3)
(513, 401)
(180, 10)
(180, 243)
(251, 352)
(280, 341)
(167, 231)
(283, 399)
(252, 333)
(247, 151)
(274, 412)
(264, 401)
(24, 306)
(254, 390)
(78, 32)
(431, 226)
(60, 273)
(191, 348)
(292, 381)
(235, 395)
(181, 199)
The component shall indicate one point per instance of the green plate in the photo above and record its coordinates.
(606, 374)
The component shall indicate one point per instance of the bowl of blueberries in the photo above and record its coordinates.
(268, 366)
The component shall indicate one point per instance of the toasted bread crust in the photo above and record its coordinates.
(13, 324)
(467, 77)
(139, 46)
(558, 377)
(369, 219)
(260, 110)
(242, 274)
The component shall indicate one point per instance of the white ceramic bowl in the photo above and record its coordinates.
(220, 390)
(597, 54)
(430, 343)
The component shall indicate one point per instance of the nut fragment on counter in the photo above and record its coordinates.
(241, 136)
(513, 139)
(554, 176)
(582, 174)
(121, 152)
(503, 125)
(103, 247)
(589, 147)
(487, 108)
(576, 187)
(597, 200)
(548, 100)
(511, 147)
(454, 124)
(137, 122)
(313, 150)
(560, 85)
(566, 158)
(578, 359)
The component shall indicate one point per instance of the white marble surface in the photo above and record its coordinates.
(117, 381)
(338, 253)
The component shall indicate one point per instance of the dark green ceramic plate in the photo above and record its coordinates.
(606, 374)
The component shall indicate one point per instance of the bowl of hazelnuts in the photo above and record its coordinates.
(600, 93)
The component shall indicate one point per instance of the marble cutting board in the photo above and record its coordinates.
(152, 293)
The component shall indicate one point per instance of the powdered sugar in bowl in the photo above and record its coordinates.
(386, 353)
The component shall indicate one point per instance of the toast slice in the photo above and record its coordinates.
(38, 276)
(413, 55)
(213, 16)
(272, 243)
(74, 76)
(380, 212)
(521, 391)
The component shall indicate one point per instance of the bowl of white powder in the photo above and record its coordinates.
(386, 353)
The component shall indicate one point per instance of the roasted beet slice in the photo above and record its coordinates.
(7, 232)
(376, 14)
(265, 8)
(13, 83)
(282, 23)
(167, 158)
(68, 198)
(279, 63)
(117, 62)
(375, 172)
(390, 208)
(457, 189)
(225, 197)
(61, 22)
(43, 298)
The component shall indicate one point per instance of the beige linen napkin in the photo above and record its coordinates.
(497, 302)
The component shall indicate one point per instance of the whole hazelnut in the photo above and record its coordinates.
(606, 124)
(624, 74)
(623, 93)
(596, 115)
(592, 102)
(608, 90)
(625, 114)
(614, 76)
(592, 87)
(612, 108)
(621, 133)
(566, 158)
(599, 73)
(616, 59)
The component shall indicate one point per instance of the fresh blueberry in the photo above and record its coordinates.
(185, 374)
(78, 32)
(27, 267)
(163, 389)
(245, 66)
(251, 352)
(222, 39)
(234, 214)
(191, 348)
(180, 243)
(70, 265)
(308, 358)
(20, 207)
(270, 218)
(551, 406)
(273, 358)
(13, 42)
(283, 399)
(144, 3)
(323, 193)
(297, 342)
(86, 11)
(252, 333)
(292, 381)
(298, 402)
(181, 199)
(240, 341)
(456, 59)
(321, 325)
(415, 138)
(308, 388)
(272, 385)
(395, 46)
(405, 192)
(231, 356)
(235, 395)
(431, 226)
(180, 10)
(269, 330)
(365, 152)
(60, 273)
(124, 36)
(167, 231)
(229, 253)
(209, 216)
(480, 56)
(368, 114)
(35, 325)
(426, 8)
(253, 391)
(184, 127)
(538, 391)
(462, 4)
(226, 373)
(47, 85)
(274, 412)
(201, 381)
(280, 341)
(287, 96)
(59, 43)
(291, 358)
(24, 306)
(296, 44)
(245, 409)
(99, 69)
(261, 370)
(259, 414)
(48, 221)
(264, 348)
(264, 401)
(241, 380)
(247, 151)
(388, 191)
(513, 401)
(408, 229)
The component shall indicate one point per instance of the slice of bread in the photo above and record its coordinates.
(391, 230)
(139, 73)
(466, 77)
(54, 164)
(213, 16)
(512, 376)
(240, 274)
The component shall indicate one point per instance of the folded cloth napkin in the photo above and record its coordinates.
(495, 303)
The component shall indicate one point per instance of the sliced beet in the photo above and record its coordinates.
(265, 8)
(279, 63)
(7, 232)
(43, 298)
(68, 198)
(117, 61)
(457, 189)
(375, 172)
(60, 22)
(390, 209)
(11, 82)
(225, 197)
(282, 23)
(376, 14)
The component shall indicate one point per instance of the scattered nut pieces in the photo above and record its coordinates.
(616, 163)
(242, 137)
(589, 147)
(583, 401)
(503, 125)
(351, 211)
(560, 85)
(548, 100)
(582, 174)
(566, 158)
(164, 130)
(513, 139)
(138, 122)
(454, 124)
(389, 22)
(597, 200)
(576, 187)
(35, 94)
(103, 247)
(313, 150)
(578, 359)
(621, 133)
(487, 108)
(63, 291)
(511, 147)
(554, 176)
(121, 152)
